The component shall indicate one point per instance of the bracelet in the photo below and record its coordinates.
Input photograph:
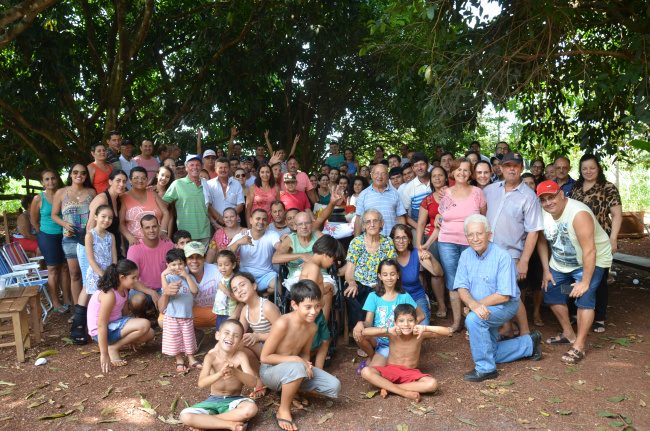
(387, 329)
(164, 230)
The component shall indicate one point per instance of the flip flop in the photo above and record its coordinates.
(120, 363)
(277, 421)
(599, 327)
(574, 356)
(361, 353)
(182, 369)
(64, 309)
(304, 402)
(196, 366)
(538, 322)
(361, 366)
(562, 339)
(441, 314)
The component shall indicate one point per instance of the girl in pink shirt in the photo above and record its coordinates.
(106, 322)
(458, 202)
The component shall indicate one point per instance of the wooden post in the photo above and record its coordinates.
(198, 141)
(6, 224)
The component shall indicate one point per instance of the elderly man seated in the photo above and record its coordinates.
(486, 281)
(296, 249)
(256, 247)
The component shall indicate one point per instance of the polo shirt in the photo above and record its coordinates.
(214, 194)
(388, 203)
(191, 210)
(413, 195)
(512, 215)
(568, 186)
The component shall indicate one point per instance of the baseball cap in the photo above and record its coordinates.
(289, 177)
(547, 186)
(513, 158)
(207, 153)
(179, 164)
(194, 247)
(127, 141)
(191, 157)
(496, 157)
(244, 159)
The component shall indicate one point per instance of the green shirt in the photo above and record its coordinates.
(191, 209)
(335, 161)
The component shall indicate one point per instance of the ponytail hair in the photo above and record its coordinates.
(111, 278)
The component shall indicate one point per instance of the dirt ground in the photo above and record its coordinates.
(613, 380)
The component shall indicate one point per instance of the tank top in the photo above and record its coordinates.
(411, 276)
(263, 326)
(103, 255)
(565, 247)
(100, 181)
(75, 213)
(263, 199)
(352, 168)
(32, 229)
(136, 210)
(324, 200)
(294, 265)
(47, 224)
(93, 310)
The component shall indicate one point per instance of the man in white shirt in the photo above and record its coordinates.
(126, 160)
(223, 192)
(246, 162)
(418, 189)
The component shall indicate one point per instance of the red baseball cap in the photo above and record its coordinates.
(547, 187)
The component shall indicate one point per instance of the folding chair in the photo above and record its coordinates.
(21, 278)
(18, 260)
(282, 296)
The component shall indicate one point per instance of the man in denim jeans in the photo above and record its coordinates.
(486, 281)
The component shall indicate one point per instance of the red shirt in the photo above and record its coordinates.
(298, 200)
(430, 204)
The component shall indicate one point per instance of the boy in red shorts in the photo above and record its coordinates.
(401, 375)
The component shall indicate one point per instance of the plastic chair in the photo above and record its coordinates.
(21, 278)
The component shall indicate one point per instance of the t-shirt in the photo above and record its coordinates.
(127, 165)
(280, 232)
(150, 165)
(180, 305)
(208, 286)
(335, 161)
(256, 258)
(251, 181)
(298, 200)
(150, 261)
(385, 310)
(454, 212)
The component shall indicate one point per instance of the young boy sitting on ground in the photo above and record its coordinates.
(226, 370)
(327, 250)
(285, 355)
(401, 375)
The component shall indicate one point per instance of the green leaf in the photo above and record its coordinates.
(173, 406)
(325, 418)
(108, 392)
(59, 415)
(108, 421)
(6, 392)
(616, 399)
(537, 377)
(47, 353)
(641, 145)
(466, 421)
(555, 400)
(442, 355)
(506, 383)
(488, 394)
(431, 12)
(616, 423)
(565, 412)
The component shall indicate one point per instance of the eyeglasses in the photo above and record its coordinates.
(371, 222)
(475, 235)
(240, 176)
(306, 223)
(401, 238)
(79, 173)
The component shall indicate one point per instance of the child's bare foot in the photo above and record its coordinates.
(285, 421)
(412, 396)
(196, 429)
(384, 393)
(114, 354)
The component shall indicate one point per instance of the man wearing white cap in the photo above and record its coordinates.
(209, 160)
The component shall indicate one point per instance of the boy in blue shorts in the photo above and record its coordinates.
(226, 370)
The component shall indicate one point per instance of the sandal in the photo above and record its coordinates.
(119, 363)
(361, 353)
(599, 327)
(441, 314)
(304, 402)
(64, 309)
(277, 421)
(361, 366)
(573, 356)
(196, 366)
(558, 339)
(182, 368)
(538, 322)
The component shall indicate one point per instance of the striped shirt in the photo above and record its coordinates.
(263, 326)
(413, 194)
(191, 210)
(492, 272)
(388, 203)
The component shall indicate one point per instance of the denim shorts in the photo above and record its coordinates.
(50, 246)
(382, 347)
(69, 245)
(134, 292)
(553, 295)
(115, 329)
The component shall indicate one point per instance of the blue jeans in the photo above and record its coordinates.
(423, 304)
(486, 351)
(449, 256)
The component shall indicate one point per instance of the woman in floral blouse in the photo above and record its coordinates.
(364, 254)
(603, 199)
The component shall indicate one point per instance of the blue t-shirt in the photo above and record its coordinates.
(181, 304)
(385, 310)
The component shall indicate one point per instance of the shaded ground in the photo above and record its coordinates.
(616, 368)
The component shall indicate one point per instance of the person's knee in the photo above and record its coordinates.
(138, 302)
(472, 319)
(248, 410)
(187, 418)
(432, 384)
(367, 372)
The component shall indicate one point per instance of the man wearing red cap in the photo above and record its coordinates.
(581, 253)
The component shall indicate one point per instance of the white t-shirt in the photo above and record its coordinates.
(251, 181)
(208, 286)
(127, 165)
(256, 258)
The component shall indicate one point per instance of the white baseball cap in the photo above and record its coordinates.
(207, 153)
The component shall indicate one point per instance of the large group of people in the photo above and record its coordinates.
(198, 242)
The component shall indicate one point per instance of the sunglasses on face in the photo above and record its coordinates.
(79, 173)
(240, 176)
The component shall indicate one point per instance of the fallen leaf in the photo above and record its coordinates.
(107, 421)
(108, 410)
(144, 380)
(149, 410)
(99, 376)
(87, 375)
(488, 394)
(523, 421)
(370, 394)
(169, 420)
(329, 404)
(36, 404)
(616, 423)
(60, 415)
(127, 376)
(442, 355)
(551, 378)
(564, 412)
(108, 392)
(531, 399)
(164, 382)
(80, 402)
(2, 382)
(173, 406)
(555, 400)
(67, 341)
(537, 377)
(506, 383)
(55, 369)
(466, 421)
(325, 418)
(6, 418)
(607, 414)
(64, 385)
(642, 403)
(544, 413)
(616, 399)
(47, 353)
(6, 392)
(402, 427)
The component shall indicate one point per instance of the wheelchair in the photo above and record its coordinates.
(337, 319)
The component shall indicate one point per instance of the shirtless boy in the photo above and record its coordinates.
(401, 375)
(285, 355)
(226, 370)
(327, 250)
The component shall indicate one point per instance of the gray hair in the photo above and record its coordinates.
(477, 218)
(372, 171)
(372, 210)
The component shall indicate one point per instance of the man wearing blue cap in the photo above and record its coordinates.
(187, 193)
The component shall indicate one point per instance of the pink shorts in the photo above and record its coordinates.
(178, 336)
(398, 374)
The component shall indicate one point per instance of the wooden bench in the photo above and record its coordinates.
(16, 310)
(637, 262)
(31, 294)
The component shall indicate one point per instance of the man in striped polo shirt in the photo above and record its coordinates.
(187, 193)
(418, 189)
